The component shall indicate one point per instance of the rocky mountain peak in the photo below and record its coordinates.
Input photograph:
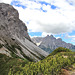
(50, 43)
(10, 22)
(47, 36)
(50, 37)
(59, 39)
(14, 38)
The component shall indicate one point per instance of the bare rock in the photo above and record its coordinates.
(14, 35)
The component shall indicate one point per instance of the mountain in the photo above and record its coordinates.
(18, 52)
(50, 43)
(14, 38)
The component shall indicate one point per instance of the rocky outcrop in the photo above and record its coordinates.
(50, 43)
(14, 36)
(10, 24)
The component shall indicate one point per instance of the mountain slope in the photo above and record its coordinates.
(14, 38)
(57, 63)
(6, 63)
(49, 43)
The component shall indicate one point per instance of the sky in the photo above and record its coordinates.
(46, 17)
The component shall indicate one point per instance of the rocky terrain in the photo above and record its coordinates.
(49, 43)
(14, 38)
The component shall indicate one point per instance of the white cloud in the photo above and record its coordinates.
(73, 40)
(72, 2)
(57, 37)
(45, 34)
(59, 20)
(6, 1)
(69, 36)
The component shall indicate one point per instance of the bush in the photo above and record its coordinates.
(60, 49)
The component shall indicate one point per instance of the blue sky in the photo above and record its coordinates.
(46, 17)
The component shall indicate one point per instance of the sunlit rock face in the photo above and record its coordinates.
(14, 35)
(10, 24)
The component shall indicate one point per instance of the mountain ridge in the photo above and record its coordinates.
(50, 43)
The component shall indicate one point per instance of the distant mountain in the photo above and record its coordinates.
(14, 38)
(50, 43)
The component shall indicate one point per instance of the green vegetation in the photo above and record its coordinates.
(6, 63)
(60, 49)
(59, 59)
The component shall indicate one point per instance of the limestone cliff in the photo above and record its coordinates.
(14, 38)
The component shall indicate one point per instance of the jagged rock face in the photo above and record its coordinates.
(10, 24)
(14, 36)
(50, 43)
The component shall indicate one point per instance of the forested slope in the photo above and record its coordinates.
(51, 65)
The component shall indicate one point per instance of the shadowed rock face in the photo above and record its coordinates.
(14, 35)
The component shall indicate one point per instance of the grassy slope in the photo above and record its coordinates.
(59, 59)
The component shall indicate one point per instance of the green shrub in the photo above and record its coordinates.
(51, 65)
(60, 49)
